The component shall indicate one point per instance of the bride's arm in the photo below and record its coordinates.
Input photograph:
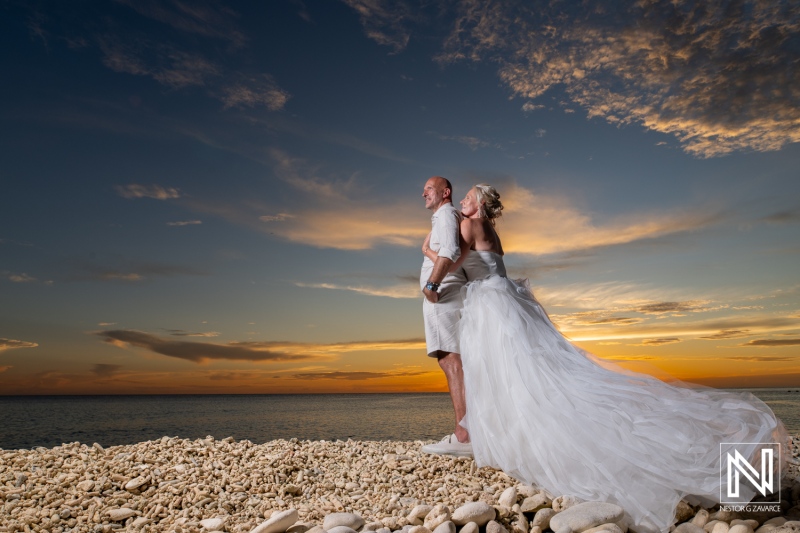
(467, 241)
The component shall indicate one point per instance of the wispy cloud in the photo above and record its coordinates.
(529, 107)
(105, 370)
(157, 192)
(10, 344)
(384, 21)
(787, 216)
(773, 342)
(356, 376)
(720, 79)
(659, 308)
(131, 271)
(164, 63)
(267, 351)
(765, 358)
(472, 142)
(185, 223)
(21, 278)
(199, 18)
(280, 217)
(406, 290)
(727, 334)
(254, 91)
(4, 368)
(182, 333)
(659, 341)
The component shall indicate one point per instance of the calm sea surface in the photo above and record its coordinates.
(31, 421)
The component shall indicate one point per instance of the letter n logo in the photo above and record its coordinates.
(737, 470)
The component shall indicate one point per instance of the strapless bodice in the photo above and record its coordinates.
(481, 264)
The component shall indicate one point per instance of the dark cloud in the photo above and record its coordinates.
(719, 76)
(659, 341)
(670, 307)
(232, 376)
(763, 359)
(105, 371)
(727, 334)
(783, 217)
(185, 223)
(354, 376)
(773, 342)
(595, 318)
(157, 192)
(197, 352)
(182, 333)
(768, 380)
(130, 271)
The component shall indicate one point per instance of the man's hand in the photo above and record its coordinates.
(431, 296)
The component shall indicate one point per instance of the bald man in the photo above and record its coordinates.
(442, 305)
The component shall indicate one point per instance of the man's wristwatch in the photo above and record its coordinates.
(431, 286)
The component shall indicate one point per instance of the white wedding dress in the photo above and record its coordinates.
(552, 415)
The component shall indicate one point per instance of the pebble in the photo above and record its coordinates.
(495, 527)
(478, 512)
(701, 518)
(291, 486)
(689, 527)
(135, 483)
(565, 502)
(117, 515)
(586, 515)
(420, 512)
(345, 529)
(533, 503)
(610, 527)
(740, 528)
(212, 524)
(542, 518)
(469, 527)
(445, 527)
(437, 516)
(277, 523)
(351, 520)
(508, 498)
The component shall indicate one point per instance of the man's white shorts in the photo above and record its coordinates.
(442, 318)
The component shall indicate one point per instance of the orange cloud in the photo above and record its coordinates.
(538, 224)
(9, 344)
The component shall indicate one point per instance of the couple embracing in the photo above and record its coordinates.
(531, 403)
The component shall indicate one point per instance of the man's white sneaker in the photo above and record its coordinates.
(449, 446)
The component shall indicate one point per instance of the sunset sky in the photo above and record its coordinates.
(225, 197)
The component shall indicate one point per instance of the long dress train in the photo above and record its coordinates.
(552, 415)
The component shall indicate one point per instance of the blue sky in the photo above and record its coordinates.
(225, 197)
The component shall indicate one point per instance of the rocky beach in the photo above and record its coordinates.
(291, 486)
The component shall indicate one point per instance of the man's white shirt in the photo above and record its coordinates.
(445, 231)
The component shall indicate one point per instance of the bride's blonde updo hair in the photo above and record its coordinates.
(489, 200)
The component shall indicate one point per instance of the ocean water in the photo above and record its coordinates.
(31, 421)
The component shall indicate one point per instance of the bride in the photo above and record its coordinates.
(550, 414)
